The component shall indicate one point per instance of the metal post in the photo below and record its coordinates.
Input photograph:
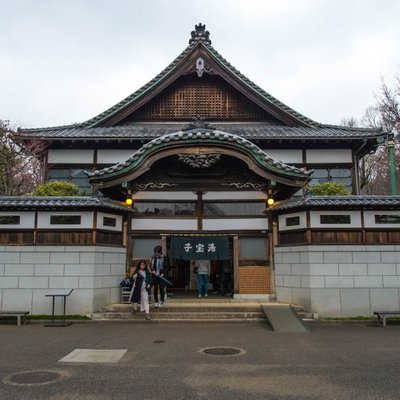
(392, 167)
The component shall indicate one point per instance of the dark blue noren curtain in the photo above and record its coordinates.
(199, 248)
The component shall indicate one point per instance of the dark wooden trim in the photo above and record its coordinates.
(13, 237)
(64, 237)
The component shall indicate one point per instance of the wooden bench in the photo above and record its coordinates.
(383, 315)
(17, 314)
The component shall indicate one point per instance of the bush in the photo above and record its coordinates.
(329, 189)
(57, 188)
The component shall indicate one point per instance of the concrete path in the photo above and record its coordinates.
(164, 361)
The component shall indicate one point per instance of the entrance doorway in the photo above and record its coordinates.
(183, 273)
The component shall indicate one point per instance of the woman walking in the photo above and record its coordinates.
(141, 289)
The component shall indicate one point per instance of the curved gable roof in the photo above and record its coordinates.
(200, 45)
(174, 142)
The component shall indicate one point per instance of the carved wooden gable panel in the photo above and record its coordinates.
(208, 97)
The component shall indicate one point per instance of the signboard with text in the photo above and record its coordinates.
(200, 248)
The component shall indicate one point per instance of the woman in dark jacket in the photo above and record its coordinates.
(141, 288)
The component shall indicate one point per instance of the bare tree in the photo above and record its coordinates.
(375, 177)
(21, 169)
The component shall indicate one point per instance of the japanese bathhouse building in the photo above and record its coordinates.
(200, 149)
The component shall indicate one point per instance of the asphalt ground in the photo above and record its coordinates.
(330, 362)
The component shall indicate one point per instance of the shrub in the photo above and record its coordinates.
(329, 189)
(57, 188)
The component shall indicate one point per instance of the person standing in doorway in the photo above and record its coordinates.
(159, 266)
(203, 272)
(141, 288)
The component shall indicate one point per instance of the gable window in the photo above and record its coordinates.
(108, 221)
(65, 219)
(292, 221)
(335, 219)
(217, 209)
(387, 219)
(339, 175)
(10, 219)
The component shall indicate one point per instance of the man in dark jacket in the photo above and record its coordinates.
(159, 266)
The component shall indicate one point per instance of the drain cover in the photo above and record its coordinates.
(159, 341)
(222, 351)
(31, 378)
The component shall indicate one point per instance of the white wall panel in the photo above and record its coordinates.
(27, 220)
(170, 224)
(235, 224)
(44, 220)
(369, 219)
(287, 156)
(302, 221)
(161, 195)
(355, 219)
(323, 156)
(117, 227)
(113, 156)
(236, 195)
(70, 156)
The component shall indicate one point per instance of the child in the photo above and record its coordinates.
(141, 288)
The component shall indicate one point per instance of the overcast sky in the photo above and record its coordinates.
(65, 61)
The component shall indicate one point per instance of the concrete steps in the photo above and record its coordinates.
(192, 310)
(187, 311)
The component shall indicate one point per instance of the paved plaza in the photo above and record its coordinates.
(165, 361)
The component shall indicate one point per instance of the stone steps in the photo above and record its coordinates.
(183, 316)
(200, 310)
(204, 310)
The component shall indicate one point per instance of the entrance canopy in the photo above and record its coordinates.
(200, 248)
(200, 148)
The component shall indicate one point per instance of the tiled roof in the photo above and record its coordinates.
(202, 137)
(246, 130)
(60, 203)
(339, 202)
(200, 38)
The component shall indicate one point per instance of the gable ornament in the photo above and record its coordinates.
(199, 160)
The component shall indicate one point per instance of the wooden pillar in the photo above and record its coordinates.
(308, 232)
(273, 242)
(164, 244)
(236, 277)
(94, 232)
(35, 228)
(200, 211)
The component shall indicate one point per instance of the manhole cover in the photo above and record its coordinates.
(222, 351)
(31, 378)
(159, 341)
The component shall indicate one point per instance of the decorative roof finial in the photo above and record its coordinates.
(200, 33)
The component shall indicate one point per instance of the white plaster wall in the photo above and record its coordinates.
(72, 156)
(323, 156)
(113, 156)
(170, 224)
(26, 221)
(27, 273)
(224, 224)
(302, 221)
(294, 156)
(339, 280)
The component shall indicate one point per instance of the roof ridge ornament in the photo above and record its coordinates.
(198, 123)
(200, 33)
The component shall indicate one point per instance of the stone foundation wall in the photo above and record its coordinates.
(27, 273)
(339, 280)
